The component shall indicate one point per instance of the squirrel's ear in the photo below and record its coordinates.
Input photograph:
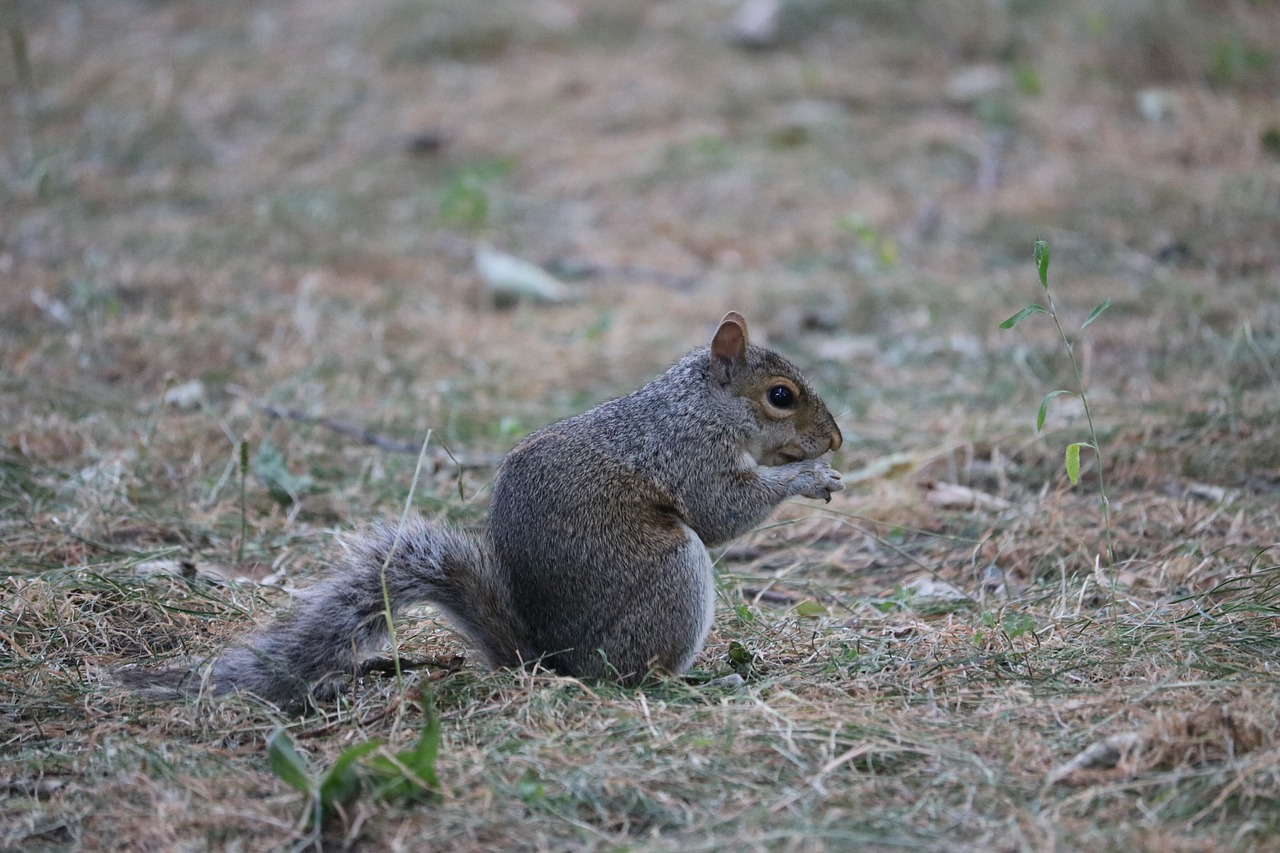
(728, 346)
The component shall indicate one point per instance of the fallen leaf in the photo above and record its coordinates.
(955, 496)
(512, 279)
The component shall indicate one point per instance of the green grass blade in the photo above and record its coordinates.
(422, 758)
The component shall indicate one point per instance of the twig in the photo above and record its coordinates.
(439, 456)
(755, 593)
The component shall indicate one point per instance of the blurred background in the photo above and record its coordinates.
(208, 208)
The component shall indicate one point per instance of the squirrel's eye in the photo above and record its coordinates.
(781, 397)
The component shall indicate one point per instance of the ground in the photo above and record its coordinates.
(226, 229)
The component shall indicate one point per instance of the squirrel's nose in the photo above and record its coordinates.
(836, 438)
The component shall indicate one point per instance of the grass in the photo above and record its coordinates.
(233, 195)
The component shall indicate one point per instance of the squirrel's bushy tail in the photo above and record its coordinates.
(314, 648)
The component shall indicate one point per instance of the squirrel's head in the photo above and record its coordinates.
(793, 423)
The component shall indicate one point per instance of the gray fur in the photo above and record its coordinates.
(594, 563)
(319, 644)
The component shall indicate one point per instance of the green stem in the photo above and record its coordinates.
(24, 97)
(244, 514)
(1093, 433)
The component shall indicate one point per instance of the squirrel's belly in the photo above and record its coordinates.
(699, 563)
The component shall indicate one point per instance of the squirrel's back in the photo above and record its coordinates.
(608, 578)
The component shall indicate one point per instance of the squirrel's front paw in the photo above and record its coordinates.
(819, 482)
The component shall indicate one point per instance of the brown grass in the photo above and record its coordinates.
(206, 210)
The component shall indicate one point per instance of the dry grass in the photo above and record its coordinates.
(208, 209)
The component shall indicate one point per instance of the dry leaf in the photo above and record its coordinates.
(955, 496)
(512, 279)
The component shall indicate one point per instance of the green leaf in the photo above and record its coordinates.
(1041, 252)
(1073, 462)
(1017, 624)
(422, 758)
(741, 659)
(1022, 315)
(410, 775)
(342, 781)
(810, 610)
(1097, 311)
(1044, 406)
(288, 764)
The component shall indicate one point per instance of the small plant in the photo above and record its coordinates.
(1072, 460)
(882, 248)
(283, 486)
(465, 201)
(1011, 624)
(995, 638)
(403, 777)
(742, 660)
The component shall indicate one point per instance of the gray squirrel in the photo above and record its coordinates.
(594, 562)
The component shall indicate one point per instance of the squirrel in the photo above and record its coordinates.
(594, 562)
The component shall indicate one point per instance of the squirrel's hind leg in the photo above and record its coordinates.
(665, 628)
